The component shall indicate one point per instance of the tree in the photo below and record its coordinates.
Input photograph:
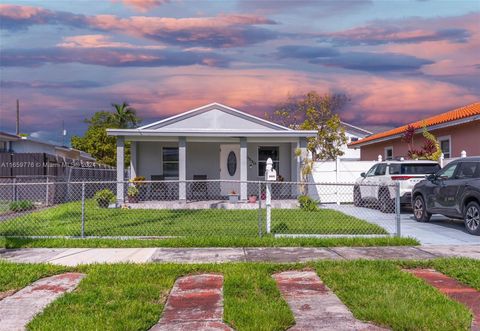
(96, 141)
(125, 116)
(316, 112)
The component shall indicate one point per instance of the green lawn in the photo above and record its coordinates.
(206, 242)
(65, 220)
(131, 297)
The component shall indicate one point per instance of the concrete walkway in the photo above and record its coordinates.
(314, 306)
(77, 256)
(17, 310)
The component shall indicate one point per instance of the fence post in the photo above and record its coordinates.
(442, 159)
(83, 209)
(15, 189)
(268, 202)
(337, 165)
(397, 208)
(46, 194)
(260, 209)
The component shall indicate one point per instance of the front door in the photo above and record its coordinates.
(229, 169)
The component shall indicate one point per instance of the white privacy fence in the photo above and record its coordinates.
(337, 172)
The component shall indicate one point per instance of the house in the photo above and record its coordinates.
(211, 142)
(456, 130)
(353, 134)
(10, 143)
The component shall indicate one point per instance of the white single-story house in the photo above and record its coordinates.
(210, 142)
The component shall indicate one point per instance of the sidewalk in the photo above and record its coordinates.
(77, 256)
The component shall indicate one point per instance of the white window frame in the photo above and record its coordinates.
(449, 138)
(385, 152)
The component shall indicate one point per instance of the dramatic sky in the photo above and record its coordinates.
(398, 61)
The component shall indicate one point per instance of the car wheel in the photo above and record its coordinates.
(357, 197)
(386, 204)
(472, 218)
(420, 210)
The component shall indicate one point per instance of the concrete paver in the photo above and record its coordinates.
(289, 254)
(470, 251)
(466, 295)
(31, 255)
(195, 303)
(387, 253)
(314, 306)
(104, 255)
(17, 310)
(198, 255)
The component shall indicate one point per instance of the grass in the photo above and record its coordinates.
(65, 220)
(4, 206)
(206, 242)
(131, 297)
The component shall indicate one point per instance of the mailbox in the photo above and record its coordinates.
(270, 173)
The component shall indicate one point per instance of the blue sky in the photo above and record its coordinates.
(398, 61)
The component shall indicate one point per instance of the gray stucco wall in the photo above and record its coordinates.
(203, 158)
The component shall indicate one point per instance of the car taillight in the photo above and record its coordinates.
(402, 177)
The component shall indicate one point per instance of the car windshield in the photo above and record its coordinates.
(414, 168)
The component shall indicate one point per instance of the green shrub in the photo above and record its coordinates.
(280, 228)
(21, 205)
(104, 198)
(132, 191)
(307, 203)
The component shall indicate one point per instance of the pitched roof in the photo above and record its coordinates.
(450, 116)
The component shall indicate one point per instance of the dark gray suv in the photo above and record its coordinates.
(453, 191)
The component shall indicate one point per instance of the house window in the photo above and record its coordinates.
(3, 146)
(445, 146)
(263, 154)
(170, 161)
(388, 153)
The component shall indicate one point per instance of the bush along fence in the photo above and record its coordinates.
(210, 208)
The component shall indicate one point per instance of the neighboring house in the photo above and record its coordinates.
(353, 134)
(211, 142)
(457, 130)
(10, 143)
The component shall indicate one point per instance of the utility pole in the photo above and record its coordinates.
(18, 118)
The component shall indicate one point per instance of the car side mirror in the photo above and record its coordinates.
(363, 175)
(432, 177)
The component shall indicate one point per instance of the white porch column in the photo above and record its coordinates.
(133, 159)
(182, 168)
(120, 169)
(243, 169)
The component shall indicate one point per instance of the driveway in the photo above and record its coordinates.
(439, 231)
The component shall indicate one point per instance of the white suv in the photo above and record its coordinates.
(378, 184)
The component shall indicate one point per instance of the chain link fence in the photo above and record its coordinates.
(200, 208)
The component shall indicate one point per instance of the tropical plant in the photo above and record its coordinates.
(132, 191)
(307, 203)
(430, 150)
(125, 116)
(104, 198)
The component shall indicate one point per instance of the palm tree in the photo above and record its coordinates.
(125, 116)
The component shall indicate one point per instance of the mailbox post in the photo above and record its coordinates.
(270, 176)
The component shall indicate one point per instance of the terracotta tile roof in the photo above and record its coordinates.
(452, 115)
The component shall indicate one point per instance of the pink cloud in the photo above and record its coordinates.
(144, 5)
(99, 41)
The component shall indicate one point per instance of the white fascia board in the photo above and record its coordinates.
(210, 133)
(419, 130)
(236, 111)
